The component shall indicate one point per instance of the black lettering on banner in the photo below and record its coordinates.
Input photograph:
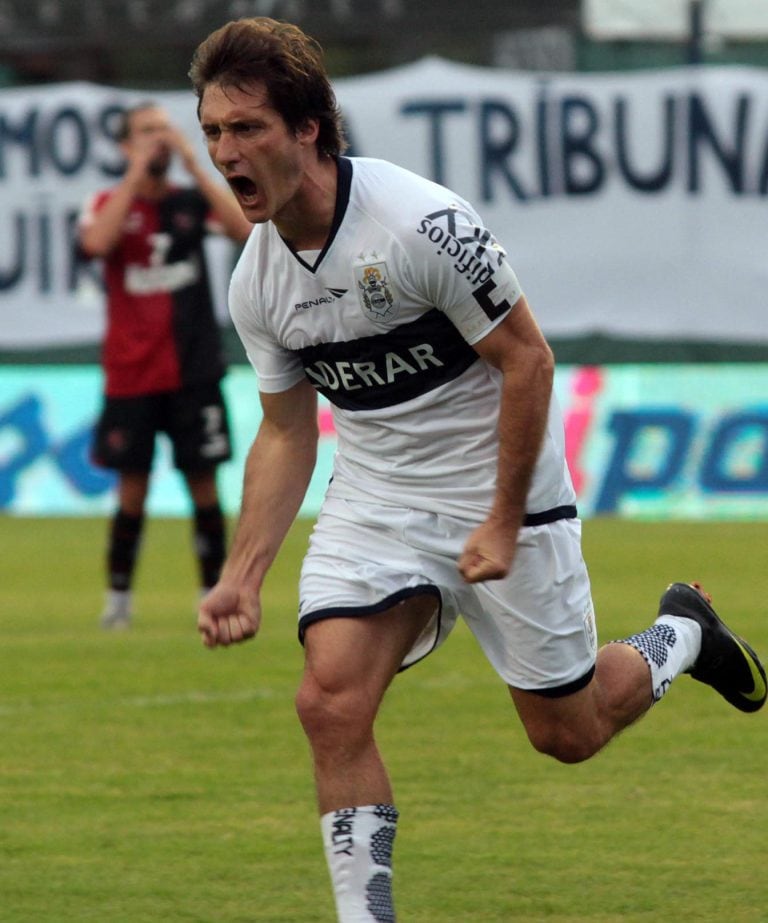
(35, 238)
(23, 134)
(64, 140)
(108, 126)
(44, 271)
(729, 156)
(583, 168)
(435, 110)
(12, 270)
(498, 145)
(652, 182)
(543, 157)
(580, 141)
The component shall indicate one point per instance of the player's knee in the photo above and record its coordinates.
(310, 706)
(327, 713)
(565, 744)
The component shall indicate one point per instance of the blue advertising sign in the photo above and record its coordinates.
(643, 441)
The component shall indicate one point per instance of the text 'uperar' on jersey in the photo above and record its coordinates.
(391, 367)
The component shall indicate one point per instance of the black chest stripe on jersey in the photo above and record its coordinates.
(389, 368)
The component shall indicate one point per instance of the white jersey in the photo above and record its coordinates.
(382, 323)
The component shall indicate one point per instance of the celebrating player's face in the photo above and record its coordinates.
(260, 157)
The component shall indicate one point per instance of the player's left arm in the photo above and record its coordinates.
(223, 204)
(517, 348)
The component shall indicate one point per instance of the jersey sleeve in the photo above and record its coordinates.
(90, 207)
(277, 368)
(459, 267)
(85, 219)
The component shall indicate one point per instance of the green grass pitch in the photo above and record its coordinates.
(144, 778)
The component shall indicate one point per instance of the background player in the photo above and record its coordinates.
(161, 355)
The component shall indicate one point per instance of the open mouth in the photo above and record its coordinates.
(244, 188)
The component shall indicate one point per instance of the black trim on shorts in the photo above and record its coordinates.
(547, 516)
(559, 692)
(347, 612)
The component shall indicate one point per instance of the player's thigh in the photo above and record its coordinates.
(571, 728)
(362, 563)
(132, 490)
(202, 487)
(198, 427)
(557, 719)
(360, 655)
(124, 438)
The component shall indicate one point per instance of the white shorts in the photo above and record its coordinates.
(536, 626)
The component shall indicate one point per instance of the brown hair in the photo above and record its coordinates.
(289, 63)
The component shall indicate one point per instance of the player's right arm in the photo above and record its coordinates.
(277, 474)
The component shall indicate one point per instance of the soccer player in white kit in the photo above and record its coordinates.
(450, 493)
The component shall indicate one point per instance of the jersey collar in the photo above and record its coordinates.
(343, 187)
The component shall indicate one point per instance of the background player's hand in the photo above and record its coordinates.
(141, 153)
(488, 552)
(182, 146)
(228, 615)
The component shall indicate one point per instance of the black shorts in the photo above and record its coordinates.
(194, 419)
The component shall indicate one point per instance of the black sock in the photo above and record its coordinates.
(209, 543)
(123, 549)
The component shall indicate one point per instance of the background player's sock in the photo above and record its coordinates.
(358, 846)
(210, 542)
(123, 549)
(669, 647)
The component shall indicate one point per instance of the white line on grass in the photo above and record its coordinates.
(189, 697)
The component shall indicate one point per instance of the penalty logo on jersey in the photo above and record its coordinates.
(376, 293)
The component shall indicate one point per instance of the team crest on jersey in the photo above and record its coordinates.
(376, 292)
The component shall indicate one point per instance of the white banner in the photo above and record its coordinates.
(630, 204)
